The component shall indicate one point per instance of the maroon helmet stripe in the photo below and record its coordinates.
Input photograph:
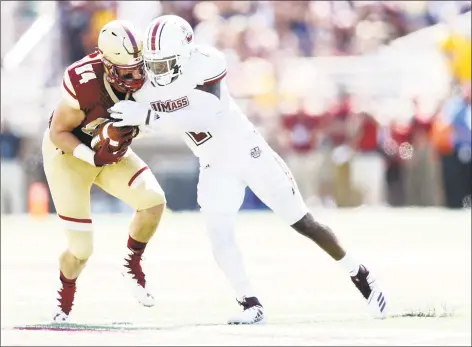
(133, 41)
(153, 35)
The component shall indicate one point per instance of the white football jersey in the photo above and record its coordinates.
(211, 121)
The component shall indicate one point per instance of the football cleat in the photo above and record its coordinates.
(134, 275)
(61, 317)
(253, 312)
(367, 285)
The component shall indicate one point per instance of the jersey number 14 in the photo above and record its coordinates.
(86, 73)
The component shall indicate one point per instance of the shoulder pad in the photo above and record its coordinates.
(68, 93)
(210, 64)
(84, 80)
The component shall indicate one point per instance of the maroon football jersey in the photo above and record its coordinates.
(84, 86)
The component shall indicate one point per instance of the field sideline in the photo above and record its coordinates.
(421, 256)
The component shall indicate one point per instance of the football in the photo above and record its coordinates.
(115, 134)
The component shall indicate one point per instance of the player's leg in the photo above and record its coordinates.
(70, 180)
(271, 180)
(220, 196)
(131, 181)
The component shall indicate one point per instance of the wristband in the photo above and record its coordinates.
(84, 153)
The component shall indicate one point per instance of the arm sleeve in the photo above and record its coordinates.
(68, 92)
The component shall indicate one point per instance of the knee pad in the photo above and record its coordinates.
(80, 243)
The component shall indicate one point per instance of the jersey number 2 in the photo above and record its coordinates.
(86, 73)
(199, 138)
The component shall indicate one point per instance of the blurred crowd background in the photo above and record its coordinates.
(367, 101)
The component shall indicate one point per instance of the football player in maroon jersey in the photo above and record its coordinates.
(90, 86)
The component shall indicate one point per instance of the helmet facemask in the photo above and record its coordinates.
(125, 78)
(163, 71)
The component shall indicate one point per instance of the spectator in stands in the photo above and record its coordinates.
(394, 138)
(368, 164)
(75, 19)
(13, 198)
(458, 51)
(260, 39)
(453, 139)
(422, 174)
(337, 150)
(300, 136)
(422, 169)
(80, 22)
(102, 13)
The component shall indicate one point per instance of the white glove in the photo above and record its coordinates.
(145, 131)
(131, 113)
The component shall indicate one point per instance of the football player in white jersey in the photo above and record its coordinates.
(186, 89)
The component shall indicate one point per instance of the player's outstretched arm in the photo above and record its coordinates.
(201, 112)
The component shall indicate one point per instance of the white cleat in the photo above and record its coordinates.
(367, 285)
(377, 304)
(61, 317)
(253, 312)
(142, 294)
(133, 274)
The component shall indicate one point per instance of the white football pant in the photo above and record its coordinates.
(221, 190)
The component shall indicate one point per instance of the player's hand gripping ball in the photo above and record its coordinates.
(119, 137)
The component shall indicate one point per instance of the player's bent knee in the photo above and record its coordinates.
(153, 213)
(81, 251)
(80, 244)
(156, 209)
(309, 227)
(152, 201)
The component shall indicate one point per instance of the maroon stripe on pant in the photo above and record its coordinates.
(136, 175)
(76, 220)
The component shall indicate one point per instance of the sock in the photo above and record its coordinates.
(350, 265)
(133, 263)
(136, 247)
(64, 280)
(66, 294)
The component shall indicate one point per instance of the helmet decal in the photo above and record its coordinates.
(135, 52)
(188, 34)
